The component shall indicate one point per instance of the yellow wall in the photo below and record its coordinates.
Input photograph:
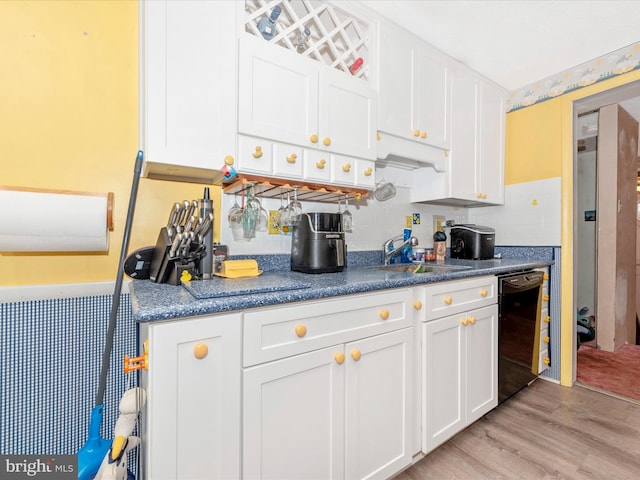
(69, 120)
(533, 143)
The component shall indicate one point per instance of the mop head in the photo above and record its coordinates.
(114, 464)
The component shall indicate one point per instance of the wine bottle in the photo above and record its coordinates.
(301, 42)
(267, 25)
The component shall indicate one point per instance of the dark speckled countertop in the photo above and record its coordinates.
(153, 302)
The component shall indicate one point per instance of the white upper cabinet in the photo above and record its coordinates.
(187, 102)
(414, 89)
(278, 93)
(308, 97)
(474, 171)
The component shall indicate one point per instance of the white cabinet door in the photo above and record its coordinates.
(460, 362)
(192, 418)
(432, 99)
(379, 405)
(443, 363)
(188, 87)
(490, 173)
(278, 93)
(482, 362)
(347, 115)
(289, 98)
(464, 156)
(414, 89)
(293, 424)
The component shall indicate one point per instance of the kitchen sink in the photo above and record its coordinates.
(425, 268)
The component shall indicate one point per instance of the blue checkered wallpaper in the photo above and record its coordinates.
(50, 354)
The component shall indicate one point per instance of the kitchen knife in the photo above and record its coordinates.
(175, 245)
(193, 208)
(206, 225)
(191, 223)
(182, 218)
(173, 216)
(186, 244)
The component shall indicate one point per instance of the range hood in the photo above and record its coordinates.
(409, 155)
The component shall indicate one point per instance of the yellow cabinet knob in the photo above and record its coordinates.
(423, 134)
(546, 339)
(378, 137)
(339, 358)
(346, 167)
(228, 160)
(547, 319)
(258, 152)
(313, 138)
(547, 360)
(483, 293)
(464, 321)
(326, 142)
(472, 320)
(545, 276)
(321, 163)
(292, 158)
(384, 314)
(416, 133)
(484, 196)
(200, 351)
(478, 195)
(301, 330)
(545, 298)
(368, 172)
(417, 305)
(356, 354)
(447, 300)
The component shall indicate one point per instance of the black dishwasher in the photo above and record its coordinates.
(518, 322)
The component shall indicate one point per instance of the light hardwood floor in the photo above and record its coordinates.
(546, 431)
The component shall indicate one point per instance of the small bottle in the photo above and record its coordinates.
(301, 42)
(267, 25)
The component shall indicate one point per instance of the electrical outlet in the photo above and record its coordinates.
(274, 222)
(408, 221)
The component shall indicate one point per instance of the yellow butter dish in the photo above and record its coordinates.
(239, 269)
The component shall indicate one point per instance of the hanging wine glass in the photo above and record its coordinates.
(262, 220)
(347, 218)
(235, 222)
(249, 216)
(235, 208)
(295, 207)
(285, 218)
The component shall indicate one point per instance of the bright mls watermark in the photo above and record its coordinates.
(50, 467)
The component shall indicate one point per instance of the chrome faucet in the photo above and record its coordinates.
(388, 252)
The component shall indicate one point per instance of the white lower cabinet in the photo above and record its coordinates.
(459, 357)
(191, 423)
(341, 411)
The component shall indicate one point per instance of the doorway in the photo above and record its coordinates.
(605, 224)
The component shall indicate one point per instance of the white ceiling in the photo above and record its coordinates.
(518, 42)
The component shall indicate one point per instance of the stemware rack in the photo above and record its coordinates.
(273, 188)
(337, 38)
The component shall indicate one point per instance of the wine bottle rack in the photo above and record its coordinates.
(337, 38)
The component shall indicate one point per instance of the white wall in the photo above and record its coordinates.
(374, 222)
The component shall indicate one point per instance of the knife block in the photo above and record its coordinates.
(160, 264)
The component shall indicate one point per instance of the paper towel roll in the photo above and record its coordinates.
(53, 221)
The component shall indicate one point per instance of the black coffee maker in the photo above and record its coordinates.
(317, 243)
